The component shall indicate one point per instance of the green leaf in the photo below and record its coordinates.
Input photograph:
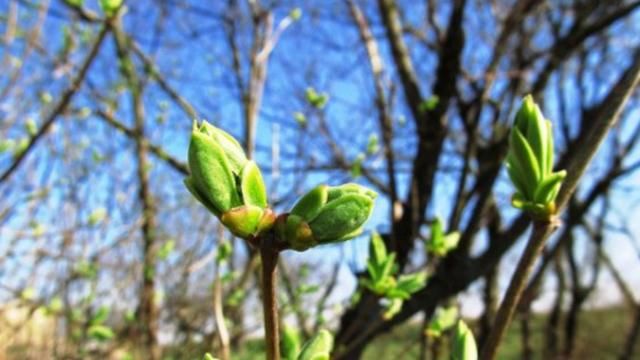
(6, 145)
(86, 269)
(341, 217)
(110, 6)
(464, 344)
(550, 148)
(28, 294)
(309, 205)
(412, 283)
(356, 166)
(290, 344)
(377, 249)
(315, 99)
(318, 347)
(208, 356)
(429, 104)
(166, 249)
(444, 319)
(295, 14)
(100, 316)
(537, 135)
(31, 127)
(525, 159)
(100, 332)
(188, 183)
(252, 185)
(231, 147)
(211, 173)
(392, 308)
(372, 144)
(548, 188)
(55, 306)
(224, 251)
(97, 216)
(300, 118)
(76, 3)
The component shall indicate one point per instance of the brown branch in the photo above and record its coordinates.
(61, 105)
(154, 149)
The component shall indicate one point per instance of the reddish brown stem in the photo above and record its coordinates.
(269, 253)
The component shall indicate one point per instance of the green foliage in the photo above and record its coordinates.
(315, 99)
(97, 216)
(372, 144)
(166, 249)
(300, 118)
(464, 344)
(31, 127)
(295, 14)
(440, 243)
(327, 214)
(208, 356)
(290, 343)
(382, 280)
(429, 104)
(85, 269)
(100, 316)
(28, 294)
(226, 183)
(55, 306)
(318, 347)
(76, 3)
(444, 319)
(110, 7)
(356, 166)
(530, 162)
(223, 252)
(6, 145)
(100, 332)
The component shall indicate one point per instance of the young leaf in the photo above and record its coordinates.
(318, 347)
(309, 205)
(464, 344)
(290, 344)
(252, 186)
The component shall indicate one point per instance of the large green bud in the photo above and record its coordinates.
(530, 162)
(464, 345)
(226, 183)
(327, 214)
(318, 347)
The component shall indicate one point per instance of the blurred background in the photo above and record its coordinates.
(104, 254)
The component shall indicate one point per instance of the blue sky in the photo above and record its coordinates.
(322, 51)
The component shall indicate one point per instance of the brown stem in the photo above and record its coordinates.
(269, 253)
(541, 231)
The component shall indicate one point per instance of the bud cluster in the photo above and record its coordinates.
(530, 162)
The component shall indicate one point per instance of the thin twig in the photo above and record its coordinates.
(539, 235)
(61, 105)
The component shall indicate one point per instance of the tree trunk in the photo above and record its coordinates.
(147, 312)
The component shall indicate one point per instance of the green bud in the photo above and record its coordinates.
(318, 347)
(110, 7)
(328, 214)
(295, 14)
(290, 343)
(226, 183)
(444, 319)
(530, 162)
(464, 345)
